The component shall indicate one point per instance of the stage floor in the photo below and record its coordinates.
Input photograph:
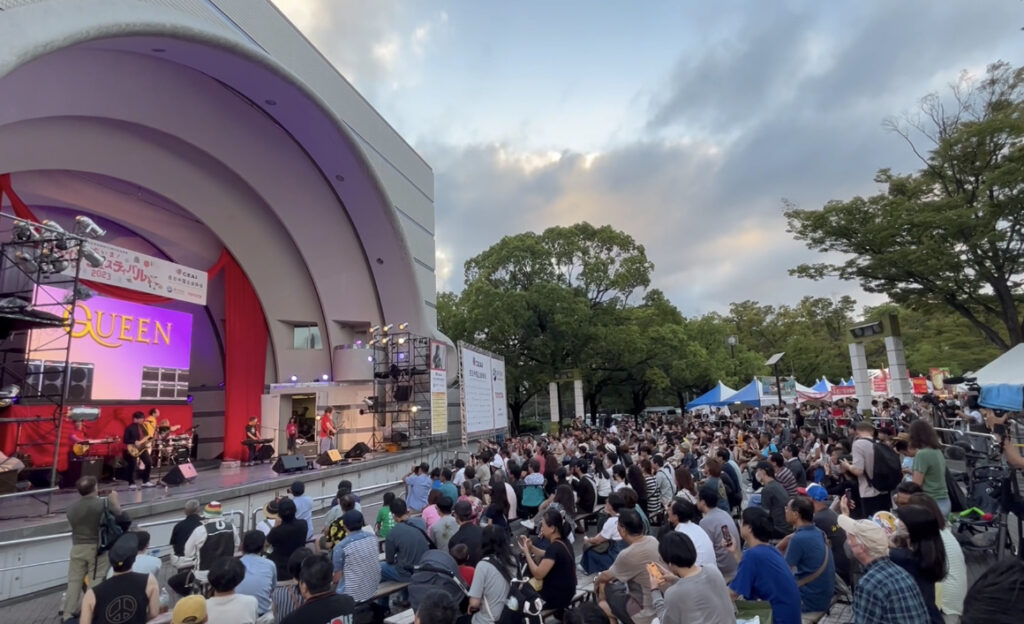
(25, 516)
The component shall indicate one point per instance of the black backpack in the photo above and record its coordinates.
(887, 470)
(523, 604)
(110, 529)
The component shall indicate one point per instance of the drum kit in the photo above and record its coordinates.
(172, 450)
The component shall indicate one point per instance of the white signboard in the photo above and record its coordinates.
(478, 401)
(438, 388)
(137, 271)
(498, 390)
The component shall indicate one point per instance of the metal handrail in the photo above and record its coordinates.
(258, 510)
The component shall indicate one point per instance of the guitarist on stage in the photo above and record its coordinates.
(136, 450)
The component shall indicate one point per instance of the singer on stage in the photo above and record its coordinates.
(136, 451)
(327, 430)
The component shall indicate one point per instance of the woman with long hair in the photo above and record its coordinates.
(635, 477)
(490, 587)
(921, 553)
(498, 508)
(554, 566)
(654, 506)
(954, 586)
(602, 480)
(685, 486)
(929, 468)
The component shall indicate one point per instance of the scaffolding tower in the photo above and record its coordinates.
(401, 374)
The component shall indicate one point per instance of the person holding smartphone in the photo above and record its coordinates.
(683, 591)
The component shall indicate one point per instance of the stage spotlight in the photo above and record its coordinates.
(369, 358)
(58, 233)
(359, 343)
(370, 401)
(10, 391)
(414, 409)
(87, 227)
(403, 326)
(384, 340)
(294, 378)
(386, 328)
(94, 259)
(81, 294)
(375, 329)
(324, 377)
(26, 263)
(84, 413)
(401, 340)
(12, 304)
(24, 233)
(372, 342)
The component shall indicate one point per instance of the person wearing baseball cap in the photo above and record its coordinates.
(190, 610)
(886, 593)
(120, 593)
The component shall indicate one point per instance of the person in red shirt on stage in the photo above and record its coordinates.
(293, 434)
(327, 430)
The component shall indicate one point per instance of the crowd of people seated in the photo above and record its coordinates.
(668, 521)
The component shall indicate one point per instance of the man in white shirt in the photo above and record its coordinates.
(681, 516)
(226, 605)
(460, 473)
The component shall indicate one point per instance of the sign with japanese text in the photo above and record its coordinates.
(137, 271)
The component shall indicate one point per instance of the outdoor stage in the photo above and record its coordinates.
(34, 550)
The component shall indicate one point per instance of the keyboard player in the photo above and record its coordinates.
(252, 440)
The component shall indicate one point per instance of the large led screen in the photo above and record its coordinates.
(120, 351)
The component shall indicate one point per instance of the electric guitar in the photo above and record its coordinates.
(136, 449)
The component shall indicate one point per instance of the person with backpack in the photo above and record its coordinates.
(493, 578)
(877, 468)
(213, 539)
(84, 516)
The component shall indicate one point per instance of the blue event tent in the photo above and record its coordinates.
(823, 385)
(713, 397)
(749, 394)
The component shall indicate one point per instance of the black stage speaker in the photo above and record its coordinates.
(403, 392)
(46, 379)
(78, 468)
(329, 458)
(289, 463)
(357, 451)
(265, 453)
(180, 474)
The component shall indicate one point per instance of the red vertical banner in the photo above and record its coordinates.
(919, 384)
(245, 355)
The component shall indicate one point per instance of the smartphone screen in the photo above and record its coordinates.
(849, 494)
(726, 536)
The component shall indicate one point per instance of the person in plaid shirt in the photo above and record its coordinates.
(886, 594)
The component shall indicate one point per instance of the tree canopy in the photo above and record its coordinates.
(951, 234)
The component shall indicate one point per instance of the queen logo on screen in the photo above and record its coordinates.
(111, 330)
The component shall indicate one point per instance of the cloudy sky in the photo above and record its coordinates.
(681, 123)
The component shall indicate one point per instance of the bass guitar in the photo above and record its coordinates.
(136, 449)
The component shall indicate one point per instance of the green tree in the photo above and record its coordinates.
(951, 234)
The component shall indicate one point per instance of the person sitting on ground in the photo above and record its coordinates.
(446, 526)
(763, 573)
(403, 547)
(125, 598)
(226, 605)
(144, 564)
(684, 587)
(435, 608)
(886, 593)
(356, 566)
(190, 610)
(321, 603)
(260, 576)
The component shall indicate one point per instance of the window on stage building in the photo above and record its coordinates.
(306, 337)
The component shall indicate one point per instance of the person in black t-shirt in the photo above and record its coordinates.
(469, 533)
(556, 565)
(125, 598)
(286, 537)
(322, 604)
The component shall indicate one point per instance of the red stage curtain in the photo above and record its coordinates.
(245, 348)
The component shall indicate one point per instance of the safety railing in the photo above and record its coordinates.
(254, 519)
(144, 525)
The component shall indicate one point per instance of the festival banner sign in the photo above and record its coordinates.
(919, 385)
(438, 388)
(137, 271)
(498, 390)
(938, 377)
(843, 391)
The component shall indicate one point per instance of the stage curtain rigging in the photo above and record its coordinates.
(245, 345)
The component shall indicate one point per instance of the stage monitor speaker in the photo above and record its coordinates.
(357, 451)
(180, 474)
(78, 468)
(289, 463)
(265, 453)
(329, 458)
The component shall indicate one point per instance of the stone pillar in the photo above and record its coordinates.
(577, 391)
(899, 382)
(553, 395)
(861, 379)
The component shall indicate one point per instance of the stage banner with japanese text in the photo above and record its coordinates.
(137, 271)
(438, 388)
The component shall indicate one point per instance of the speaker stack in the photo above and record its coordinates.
(78, 468)
(289, 463)
(357, 451)
(181, 473)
